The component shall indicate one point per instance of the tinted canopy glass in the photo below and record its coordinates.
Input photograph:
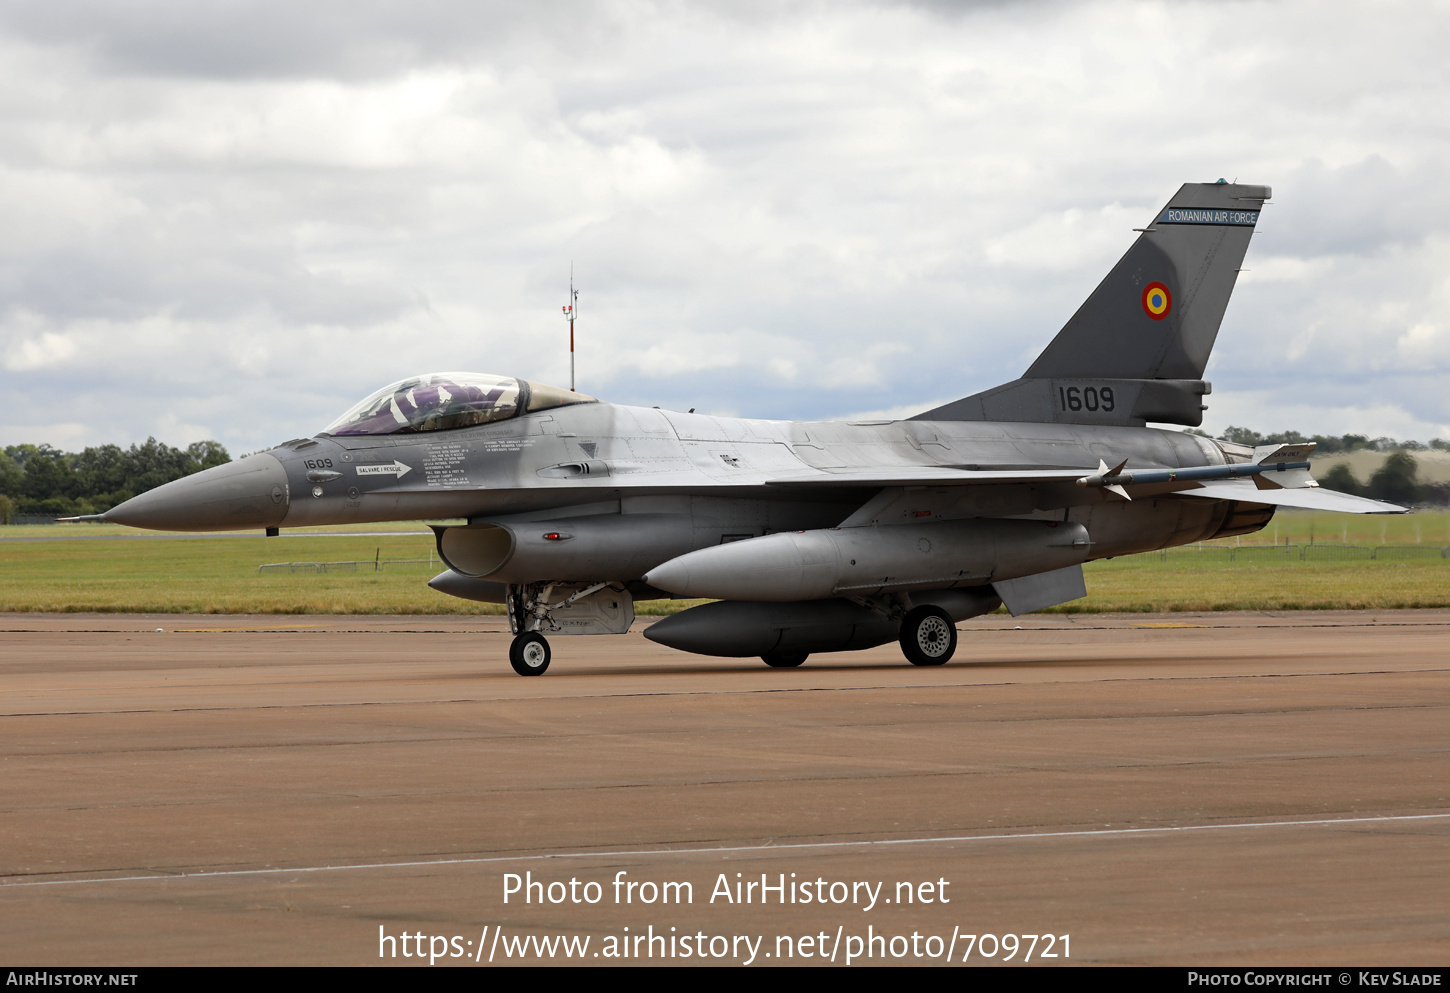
(443, 400)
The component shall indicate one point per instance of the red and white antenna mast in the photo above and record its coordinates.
(569, 314)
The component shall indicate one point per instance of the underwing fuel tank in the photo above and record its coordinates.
(736, 629)
(814, 565)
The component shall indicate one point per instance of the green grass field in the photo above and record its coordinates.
(211, 574)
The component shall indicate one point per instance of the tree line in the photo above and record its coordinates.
(1328, 444)
(39, 479)
(1396, 481)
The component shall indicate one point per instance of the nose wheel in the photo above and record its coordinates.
(529, 654)
(928, 636)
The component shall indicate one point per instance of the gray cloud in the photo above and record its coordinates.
(270, 38)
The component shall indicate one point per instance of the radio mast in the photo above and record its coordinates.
(569, 314)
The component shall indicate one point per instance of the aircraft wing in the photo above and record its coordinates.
(1308, 497)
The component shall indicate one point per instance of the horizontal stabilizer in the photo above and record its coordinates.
(1307, 498)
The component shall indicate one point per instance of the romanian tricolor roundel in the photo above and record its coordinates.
(1157, 301)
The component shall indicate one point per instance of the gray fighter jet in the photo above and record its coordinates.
(814, 536)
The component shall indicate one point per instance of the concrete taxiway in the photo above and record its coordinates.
(1221, 788)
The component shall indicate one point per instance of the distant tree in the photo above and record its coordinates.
(11, 474)
(1395, 481)
(1326, 444)
(38, 479)
(102, 469)
(1341, 477)
(208, 454)
(19, 453)
(48, 476)
(1243, 436)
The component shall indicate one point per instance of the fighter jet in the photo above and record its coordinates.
(815, 536)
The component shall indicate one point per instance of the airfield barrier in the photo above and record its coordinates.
(359, 565)
(1275, 554)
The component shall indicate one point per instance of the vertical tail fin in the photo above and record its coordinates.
(1145, 334)
(1157, 313)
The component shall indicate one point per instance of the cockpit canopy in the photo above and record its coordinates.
(443, 400)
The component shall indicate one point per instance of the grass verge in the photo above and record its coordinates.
(211, 575)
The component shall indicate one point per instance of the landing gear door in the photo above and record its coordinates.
(557, 608)
(605, 611)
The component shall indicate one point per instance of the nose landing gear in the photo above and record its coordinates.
(586, 608)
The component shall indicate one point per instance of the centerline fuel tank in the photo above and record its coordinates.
(739, 629)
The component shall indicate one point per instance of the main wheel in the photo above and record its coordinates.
(529, 654)
(928, 636)
(784, 660)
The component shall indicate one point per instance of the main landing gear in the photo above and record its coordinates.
(928, 636)
(529, 654)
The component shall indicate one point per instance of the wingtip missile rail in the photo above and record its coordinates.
(1193, 473)
(1117, 479)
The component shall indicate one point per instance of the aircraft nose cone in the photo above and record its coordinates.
(248, 493)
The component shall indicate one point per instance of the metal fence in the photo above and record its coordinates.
(1279, 554)
(360, 565)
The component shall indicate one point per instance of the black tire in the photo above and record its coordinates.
(784, 660)
(928, 636)
(529, 654)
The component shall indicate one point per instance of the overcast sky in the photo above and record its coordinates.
(232, 220)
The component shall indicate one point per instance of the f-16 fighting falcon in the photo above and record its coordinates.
(814, 536)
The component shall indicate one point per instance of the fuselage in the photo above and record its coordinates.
(735, 477)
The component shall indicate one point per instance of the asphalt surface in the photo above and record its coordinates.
(1186, 789)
